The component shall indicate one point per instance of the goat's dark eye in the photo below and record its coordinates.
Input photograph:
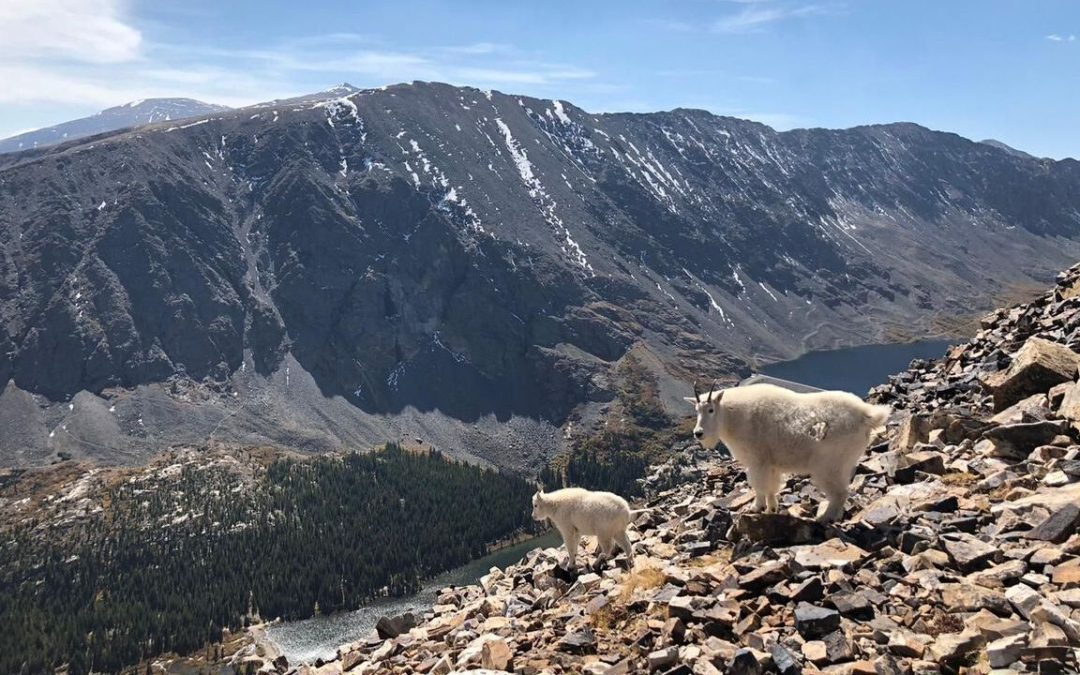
(710, 411)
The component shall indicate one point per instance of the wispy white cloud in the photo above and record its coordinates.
(91, 53)
(716, 74)
(755, 16)
(544, 74)
(479, 48)
(88, 31)
(1054, 37)
(672, 25)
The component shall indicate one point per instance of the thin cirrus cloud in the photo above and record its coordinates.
(1054, 37)
(480, 48)
(756, 16)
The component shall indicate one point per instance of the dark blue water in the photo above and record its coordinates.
(855, 369)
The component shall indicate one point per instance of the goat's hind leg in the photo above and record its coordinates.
(835, 485)
(624, 543)
(604, 549)
(605, 545)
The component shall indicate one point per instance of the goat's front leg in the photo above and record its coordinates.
(570, 537)
(766, 483)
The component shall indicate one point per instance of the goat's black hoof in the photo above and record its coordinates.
(567, 575)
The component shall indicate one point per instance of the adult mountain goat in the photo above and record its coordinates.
(773, 431)
(575, 511)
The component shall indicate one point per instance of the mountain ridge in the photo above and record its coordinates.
(1007, 148)
(346, 89)
(134, 113)
(457, 265)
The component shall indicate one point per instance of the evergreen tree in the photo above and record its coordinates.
(167, 569)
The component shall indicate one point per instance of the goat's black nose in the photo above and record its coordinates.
(699, 434)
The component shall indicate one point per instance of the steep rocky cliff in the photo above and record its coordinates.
(959, 552)
(466, 267)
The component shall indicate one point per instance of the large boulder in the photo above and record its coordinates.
(390, 627)
(1037, 366)
(1059, 526)
(1069, 408)
(1016, 441)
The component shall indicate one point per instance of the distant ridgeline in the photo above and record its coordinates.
(176, 554)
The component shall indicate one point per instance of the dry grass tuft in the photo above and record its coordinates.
(1000, 493)
(958, 478)
(607, 619)
(640, 578)
(719, 556)
(945, 623)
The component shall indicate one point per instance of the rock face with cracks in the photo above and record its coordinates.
(968, 563)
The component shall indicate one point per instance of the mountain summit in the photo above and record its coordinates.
(470, 268)
(136, 113)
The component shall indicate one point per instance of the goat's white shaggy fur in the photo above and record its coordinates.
(773, 431)
(576, 512)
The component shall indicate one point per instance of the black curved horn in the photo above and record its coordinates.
(697, 394)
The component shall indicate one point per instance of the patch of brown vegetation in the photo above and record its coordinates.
(945, 623)
(610, 618)
(266, 455)
(1000, 492)
(1018, 293)
(959, 478)
(722, 555)
(950, 324)
(639, 578)
(31, 482)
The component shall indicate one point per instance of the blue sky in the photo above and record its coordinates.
(1005, 69)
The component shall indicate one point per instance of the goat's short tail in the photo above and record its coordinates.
(878, 415)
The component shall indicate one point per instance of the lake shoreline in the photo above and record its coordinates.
(308, 640)
(856, 369)
(518, 537)
(762, 363)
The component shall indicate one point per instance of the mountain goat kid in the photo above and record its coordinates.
(773, 431)
(576, 512)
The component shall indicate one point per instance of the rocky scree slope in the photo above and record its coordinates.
(960, 550)
(467, 267)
